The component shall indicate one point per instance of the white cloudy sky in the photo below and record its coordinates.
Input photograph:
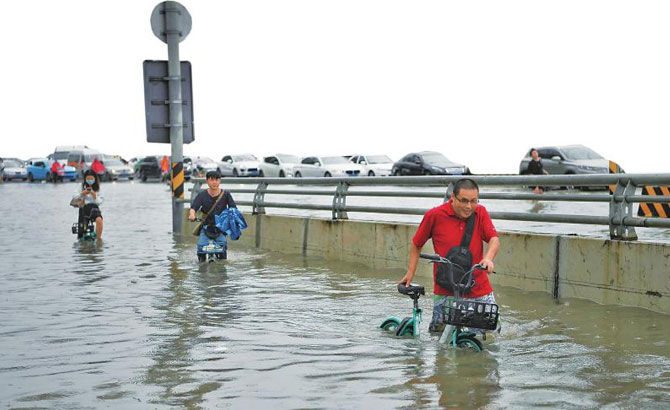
(480, 81)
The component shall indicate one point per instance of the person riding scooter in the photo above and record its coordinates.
(90, 200)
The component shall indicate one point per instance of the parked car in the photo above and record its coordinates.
(242, 165)
(13, 168)
(150, 167)
(568, 159)
(115, 169)
(326, 167)
(428, 163)
(202, 165)
(134, 163)
(279, 165)
(39, 169)
(373, 165)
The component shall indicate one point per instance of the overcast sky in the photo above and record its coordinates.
(480, 81)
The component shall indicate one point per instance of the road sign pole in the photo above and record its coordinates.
(171, 23)
(176, 124)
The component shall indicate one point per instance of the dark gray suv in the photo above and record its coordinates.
(568, 159)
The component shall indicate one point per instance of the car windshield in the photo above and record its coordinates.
(334, 160)
(437, 159)
(244, 157)
(288, 159)
(378, 159)
(60, 155)
(12, 163)
(113, 161)
(578, 153)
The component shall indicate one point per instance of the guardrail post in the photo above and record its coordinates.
(619, 210)
(340, 201)
(195, 190)
(450, 189)
(259, 198)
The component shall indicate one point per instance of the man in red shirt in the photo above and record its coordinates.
(445, 224)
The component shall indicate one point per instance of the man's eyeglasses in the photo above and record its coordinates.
(465, 201)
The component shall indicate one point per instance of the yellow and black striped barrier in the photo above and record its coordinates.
(657, 209)
(614, 169)
(178, 179)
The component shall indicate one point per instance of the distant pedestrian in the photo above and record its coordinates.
(535, 168)
(56, 172)
(97, 166)
(165, 168)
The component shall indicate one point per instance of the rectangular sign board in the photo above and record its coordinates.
(156, 97)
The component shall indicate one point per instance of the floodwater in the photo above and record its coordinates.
(135, 322)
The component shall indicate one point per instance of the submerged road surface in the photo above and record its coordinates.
(135, 322)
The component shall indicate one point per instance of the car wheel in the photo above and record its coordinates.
(396, 172)
(143, 177)
(371, 173)
(30, 177)
(260, 174)
(235, 173)
(426, 172)
(281, 174)
(298, 174)
(327, 174)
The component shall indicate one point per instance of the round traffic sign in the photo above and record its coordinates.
(170, 17)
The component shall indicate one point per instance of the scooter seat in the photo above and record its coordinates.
(412, 290)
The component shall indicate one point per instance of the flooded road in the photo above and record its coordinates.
(135, 322)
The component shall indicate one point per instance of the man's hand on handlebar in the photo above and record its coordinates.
(191, 215)
(488, 265)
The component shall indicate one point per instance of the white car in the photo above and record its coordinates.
(202, 165)
(373, 165)
(13, 168)
(242, 165)
(116, 169)
(326, 167)
(279, 165)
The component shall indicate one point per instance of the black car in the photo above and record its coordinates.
(150, 167)
(427, 163)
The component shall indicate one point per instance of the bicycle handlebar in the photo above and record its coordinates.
(435, 258)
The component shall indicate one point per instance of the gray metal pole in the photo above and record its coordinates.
(176, 125)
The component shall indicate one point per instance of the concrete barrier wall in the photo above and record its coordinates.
(601, 270)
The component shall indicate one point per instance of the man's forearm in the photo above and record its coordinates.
(492, 248)
(414, 253)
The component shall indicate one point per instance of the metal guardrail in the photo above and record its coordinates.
(620, 219)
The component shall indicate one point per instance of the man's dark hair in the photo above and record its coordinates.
(532, 149)
(213, 174)
(464, 183)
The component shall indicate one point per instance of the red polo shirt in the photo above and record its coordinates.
(446, 229)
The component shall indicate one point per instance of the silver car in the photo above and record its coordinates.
(327, 167)
(14, 168)
(241, 165)
(373, 165)
(568, 159)
(280, 165)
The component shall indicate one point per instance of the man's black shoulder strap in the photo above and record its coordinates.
(469, 230)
